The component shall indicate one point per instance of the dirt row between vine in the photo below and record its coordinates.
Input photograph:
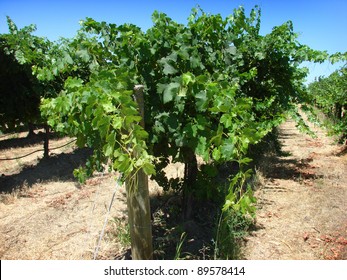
(302, 201)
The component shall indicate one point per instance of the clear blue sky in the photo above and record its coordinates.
(322, 24)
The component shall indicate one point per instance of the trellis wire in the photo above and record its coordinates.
(40, 150)
(96, 251)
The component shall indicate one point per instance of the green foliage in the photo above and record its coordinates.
(179, 247)
(232, 226)
(20, 90)
(329, 94)
(215, 86)
(121, 232)
(102, 115)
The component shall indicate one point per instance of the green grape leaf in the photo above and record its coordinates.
(170, 91)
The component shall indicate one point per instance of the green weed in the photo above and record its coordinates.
(121, 232)
(231, 228)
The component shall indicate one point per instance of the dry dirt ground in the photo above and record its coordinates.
(46, 214)
(302, 201)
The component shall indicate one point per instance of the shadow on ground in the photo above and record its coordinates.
(285, 168)
(23, 142)
(343, 152)
(276, 163)
(58, 167)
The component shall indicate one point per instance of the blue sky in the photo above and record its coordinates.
(322, 24)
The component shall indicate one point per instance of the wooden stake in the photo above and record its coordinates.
(139, 213)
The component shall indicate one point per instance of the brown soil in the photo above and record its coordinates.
(46, 214)
(302, 201)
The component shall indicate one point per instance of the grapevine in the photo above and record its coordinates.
(330, 96)
(213, 88)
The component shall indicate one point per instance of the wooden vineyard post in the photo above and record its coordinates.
(139, 214)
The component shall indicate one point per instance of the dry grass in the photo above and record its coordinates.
(303, 196)
(44, 212)
(60, 222)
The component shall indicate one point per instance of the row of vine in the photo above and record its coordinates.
(329, 94)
